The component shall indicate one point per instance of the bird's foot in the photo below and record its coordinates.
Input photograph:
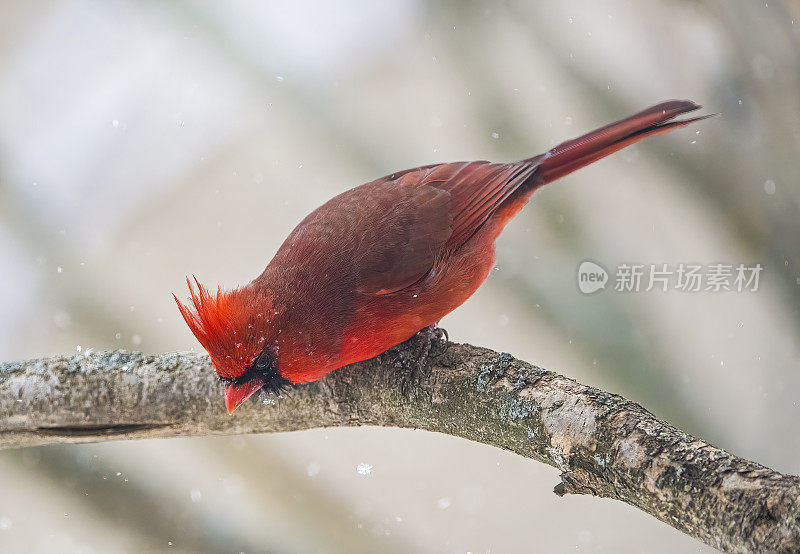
(415, 353)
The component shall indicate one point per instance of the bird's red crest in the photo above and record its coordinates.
(227, 325)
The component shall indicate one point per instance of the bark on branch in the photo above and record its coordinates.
(603, 444)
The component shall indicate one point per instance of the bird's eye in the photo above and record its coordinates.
(261, 364)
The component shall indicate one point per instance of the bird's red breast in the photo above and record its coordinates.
(377, 263)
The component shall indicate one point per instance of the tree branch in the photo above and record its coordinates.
(603, 444)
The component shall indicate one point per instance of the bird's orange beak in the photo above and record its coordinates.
(235, 395)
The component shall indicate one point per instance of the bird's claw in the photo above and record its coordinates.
(417, 351)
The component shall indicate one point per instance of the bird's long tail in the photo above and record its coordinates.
(576, 153)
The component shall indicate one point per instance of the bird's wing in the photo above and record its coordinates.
(386, 235)
(477, 190)
(431, 211)
(374, 239)
(408, 226)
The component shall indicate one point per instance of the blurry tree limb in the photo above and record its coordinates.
(603, 444)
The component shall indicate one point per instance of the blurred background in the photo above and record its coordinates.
(144, 141)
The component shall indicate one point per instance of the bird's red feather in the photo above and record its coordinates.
(229, 325)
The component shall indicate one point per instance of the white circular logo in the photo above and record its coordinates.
(591, 277)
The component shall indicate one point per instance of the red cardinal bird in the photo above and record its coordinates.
(378, 263)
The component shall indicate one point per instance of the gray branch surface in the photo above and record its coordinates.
(603, 444)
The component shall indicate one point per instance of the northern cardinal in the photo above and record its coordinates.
(376, 264)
